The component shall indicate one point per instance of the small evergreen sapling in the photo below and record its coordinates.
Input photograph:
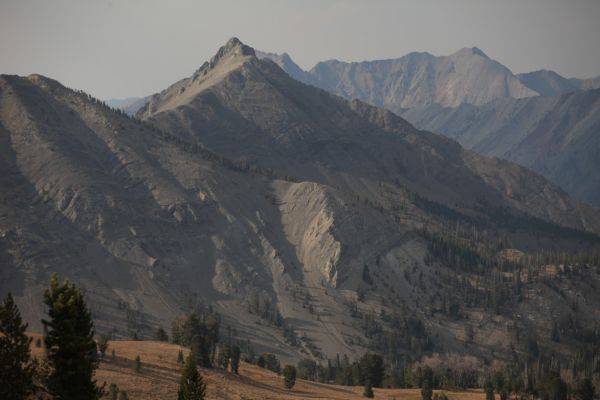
(191, 385)
(138, 363)
(368, 392)
(102, 344)
(113, 391)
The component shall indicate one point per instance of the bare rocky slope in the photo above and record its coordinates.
(556, 136)
(311, 224)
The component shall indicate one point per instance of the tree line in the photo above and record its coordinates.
(539, 380)
(72, 356)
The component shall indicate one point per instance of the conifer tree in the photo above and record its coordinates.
(555, 388)
(15, 369)
(427, 384)
(489, 391)
(102, 344)
(585, 390)
(372, 369)
(113, 391)
(191, 385)
(235, 359)
(289, 376)
(138, 363)
(368, 392)
(224, 354)
(70, 343)
(161, 335)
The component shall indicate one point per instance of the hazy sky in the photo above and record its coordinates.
(120, 48)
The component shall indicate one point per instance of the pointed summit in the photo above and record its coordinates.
(479, 52)
(470, 51)
(228, 59)
(233, 47)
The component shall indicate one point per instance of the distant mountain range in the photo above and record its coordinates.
(130, 105)
(467, 76)
(313, 225)
(549, 83)
(482, 104)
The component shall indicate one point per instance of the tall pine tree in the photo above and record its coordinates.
(289, 376)
(585, 390)
(427, 384)
(191, 385)
(15, 370)
(70, 342)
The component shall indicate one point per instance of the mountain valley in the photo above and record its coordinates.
(312, 225)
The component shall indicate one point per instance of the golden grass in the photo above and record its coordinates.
(159, 378)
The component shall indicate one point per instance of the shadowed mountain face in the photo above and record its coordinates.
(152, 226)
(556, 136)
(293, 212)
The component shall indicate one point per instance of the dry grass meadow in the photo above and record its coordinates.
(159, 376)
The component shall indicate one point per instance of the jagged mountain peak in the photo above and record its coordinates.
(471, 51)
(234, 50)
(233, 47)
(228, 58)
(479, 52)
